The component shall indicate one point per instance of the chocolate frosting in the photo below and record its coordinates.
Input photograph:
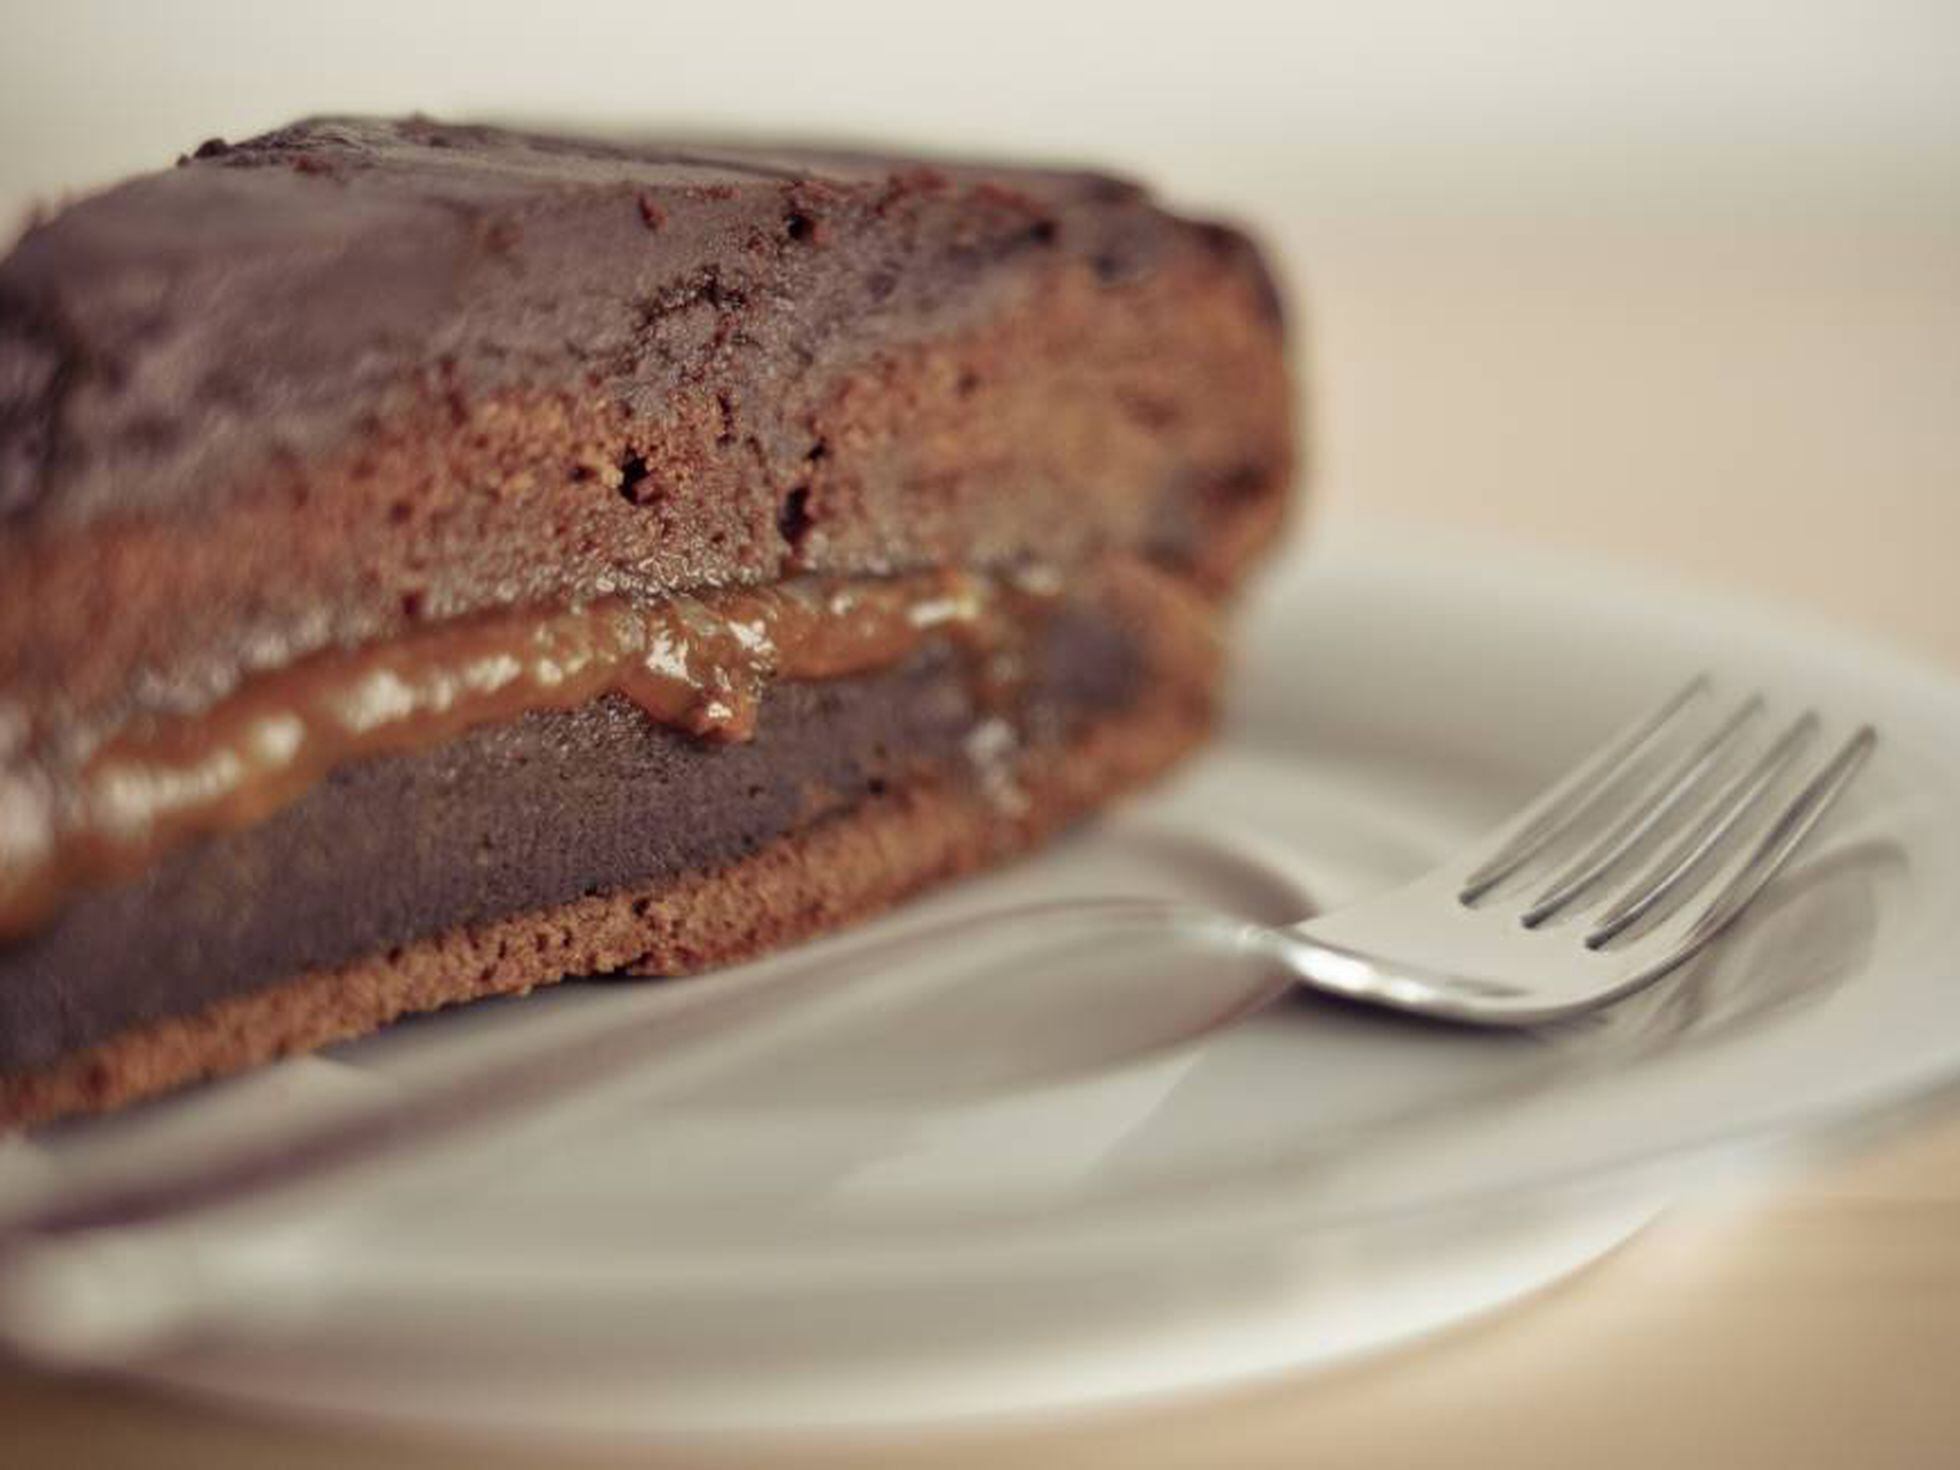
(272, 295)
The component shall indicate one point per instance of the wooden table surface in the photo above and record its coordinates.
(1762, 402)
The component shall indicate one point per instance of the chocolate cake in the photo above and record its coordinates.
(436, 561)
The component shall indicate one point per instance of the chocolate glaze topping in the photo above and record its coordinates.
(274, 293)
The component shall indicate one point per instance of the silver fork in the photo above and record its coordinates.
(1622, 871)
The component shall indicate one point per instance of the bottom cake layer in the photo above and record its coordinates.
(592, 842)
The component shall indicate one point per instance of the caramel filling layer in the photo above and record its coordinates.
(698, 663)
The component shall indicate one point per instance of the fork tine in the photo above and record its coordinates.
(1786, 834)
(1667, 796)
(1553, 814)
(1664, 877)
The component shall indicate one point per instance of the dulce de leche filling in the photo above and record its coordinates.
(698, 663)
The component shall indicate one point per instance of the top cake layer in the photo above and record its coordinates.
(318, 388)
(271, 295)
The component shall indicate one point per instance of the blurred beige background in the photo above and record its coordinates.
(1677, 283)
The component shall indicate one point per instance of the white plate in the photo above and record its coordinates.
(974, 1198)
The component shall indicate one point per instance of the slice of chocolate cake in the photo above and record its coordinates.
(436, 561)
